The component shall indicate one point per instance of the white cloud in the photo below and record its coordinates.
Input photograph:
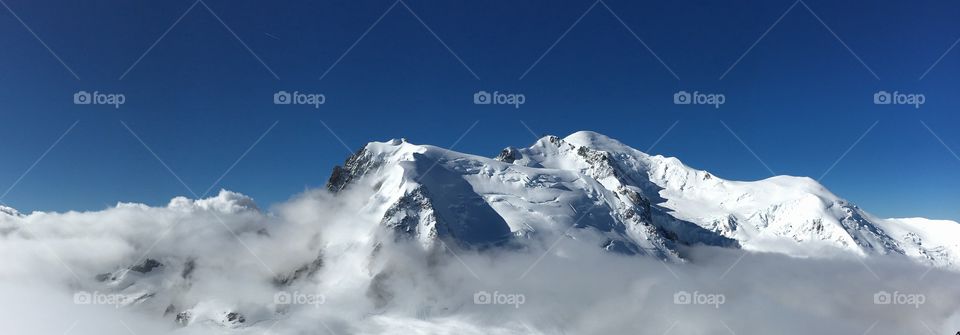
(233, 252)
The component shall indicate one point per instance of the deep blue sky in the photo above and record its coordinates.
(199, 98)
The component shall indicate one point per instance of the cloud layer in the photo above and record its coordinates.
(223, 255)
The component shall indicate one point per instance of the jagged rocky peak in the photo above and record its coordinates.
(509, 155)
(343, 175)
(4, 210)
(370, 157)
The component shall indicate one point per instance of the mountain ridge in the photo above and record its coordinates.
(654, 204)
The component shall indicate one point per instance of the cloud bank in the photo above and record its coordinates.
(221, 260)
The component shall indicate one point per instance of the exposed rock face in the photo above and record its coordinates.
(413, 217)
(234, 319)
(509, 155)
(304, 271)
(184, 318)
(146, 266)
(354, 167)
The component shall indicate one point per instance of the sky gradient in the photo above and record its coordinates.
(199, 79)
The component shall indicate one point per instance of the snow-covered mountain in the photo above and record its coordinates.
(409, 238)
(431, 195)
(640, 204)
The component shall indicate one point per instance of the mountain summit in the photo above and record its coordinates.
(630, 202)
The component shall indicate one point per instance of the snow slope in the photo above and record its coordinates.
(429, 193)
(935, 242)
(768, 214)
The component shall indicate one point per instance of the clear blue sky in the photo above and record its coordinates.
(200, 98)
